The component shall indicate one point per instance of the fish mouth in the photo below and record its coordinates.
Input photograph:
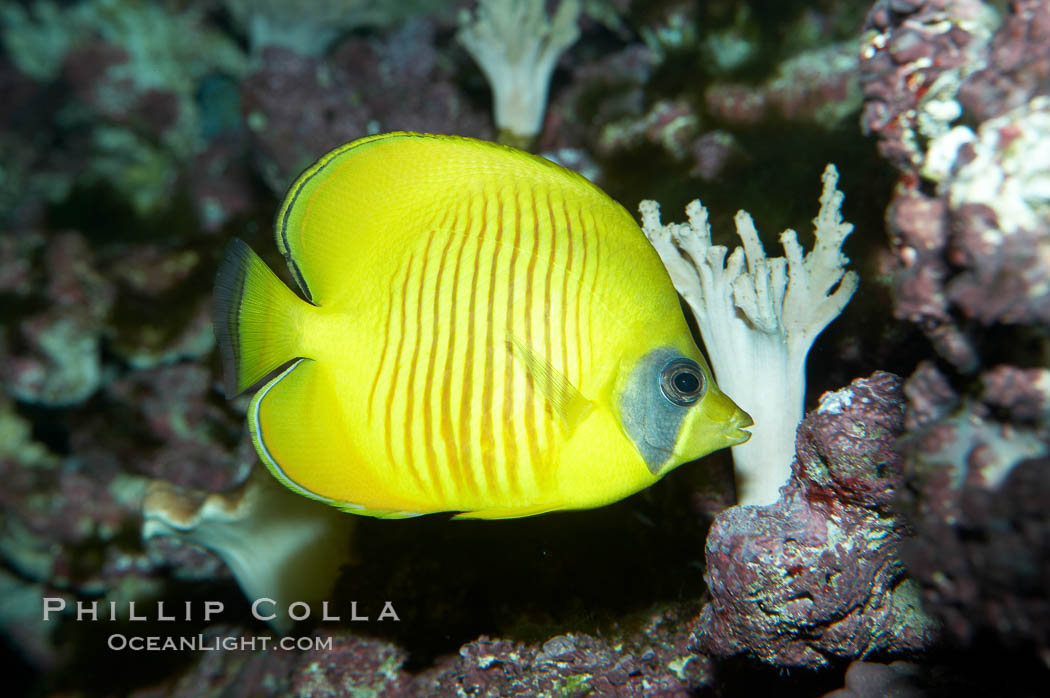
(735, 430)
(737, 436)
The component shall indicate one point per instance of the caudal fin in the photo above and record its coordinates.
(256, 318)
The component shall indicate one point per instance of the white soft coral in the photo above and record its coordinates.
(280, 547)
(516, 46)
(758, 323)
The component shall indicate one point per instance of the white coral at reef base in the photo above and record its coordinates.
(759, 322)
(278, 545)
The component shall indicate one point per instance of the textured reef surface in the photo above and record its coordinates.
(818, 575)
(908, 555)
(957, 95)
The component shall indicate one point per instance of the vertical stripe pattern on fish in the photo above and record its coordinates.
(485, 332)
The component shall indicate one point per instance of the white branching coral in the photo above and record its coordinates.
(516, 45)
(759, 322)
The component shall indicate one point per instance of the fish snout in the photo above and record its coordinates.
(734, 430)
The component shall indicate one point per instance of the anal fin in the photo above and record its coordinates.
(301, 436)
(505, 512)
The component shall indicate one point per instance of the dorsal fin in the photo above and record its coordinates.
(382, 192)
(566, 401)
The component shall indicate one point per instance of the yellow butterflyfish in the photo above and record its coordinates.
(483, 331)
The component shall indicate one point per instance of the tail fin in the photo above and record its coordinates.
(256, 318)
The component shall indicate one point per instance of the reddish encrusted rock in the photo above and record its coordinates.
(606, 107)
(63, 521)
(55, 356)
(998, 215)
(605, 93)
(177, 432)
(355, 665)
(918, 229)
(968, 222)
(910, 49)
(818, 86)
(222, 184)
(292, 117)
(844, 449)
(1024, 393)
(816, 575)
(298, 107)
(238, 672)
(976, 498)
(101, 77)
(669, 124)
(930, 396)
(71, 502)
(1018, 63)
(175, 277)
(654, 660)
(134, 114)
(970, 235)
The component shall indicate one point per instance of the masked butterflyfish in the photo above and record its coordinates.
(480, 331)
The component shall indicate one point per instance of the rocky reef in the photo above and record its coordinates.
(958, 97)
(910, 549)
(818, 575)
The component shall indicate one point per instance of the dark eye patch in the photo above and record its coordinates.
(655, 400)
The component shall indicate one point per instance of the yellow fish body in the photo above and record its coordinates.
(486, 332)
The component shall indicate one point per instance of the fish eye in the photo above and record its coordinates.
(682, 382)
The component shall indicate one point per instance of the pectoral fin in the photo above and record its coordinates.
(564, 398)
